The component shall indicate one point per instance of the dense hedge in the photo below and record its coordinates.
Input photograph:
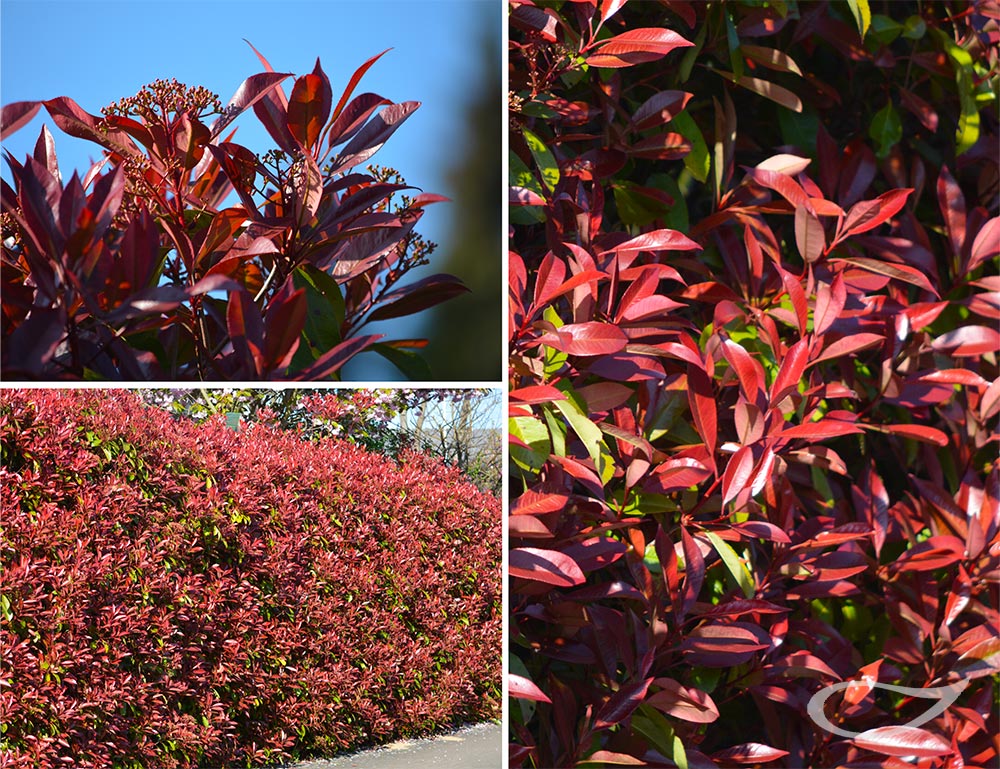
(180, 595)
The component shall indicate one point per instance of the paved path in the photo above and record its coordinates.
(473, 747)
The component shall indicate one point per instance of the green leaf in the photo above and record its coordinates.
(520, 175)
(886, 129)
(535, 434)
(914, 28)
(732, 561)
(967, 133)
(544, 159)
(697, 161)
(410, 363)
(733, 40)
(589, 433)
(636, 208)
(862, 15)
(324, 308)
(885, 29)
(655, 727)
(799, 129)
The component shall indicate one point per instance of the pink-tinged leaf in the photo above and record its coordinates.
(355, 79)
(958, 597)
(691, 705)
(418, 296)
(748, 753)
(952, 205)
(525, 689)
(657, 240)
(595, 553)
(701, 397)
(869, 214)
(527, 526)
(45, 153)
(872, 499)
(16, 115)
(762, 472)
(797, 295)
(636, 46)
(824, 428)
(307, 190)
(830, 301)
(924, 111)
(662, 146)
(604, 396)
(331, 362)
(549, 566)
(737, 473)
(309, 106)
(789, 165)
(609, 8)
(903, 741)
(537, 394)
(428, 198)
(538, 503)
(751, 380)
(650, 308)
(784, 185)
(659, 108)
(809, 235)
(983, 659)
(793, 365)
(968, 341)
(564, 287)
(589, 338)
(373, 135)
(251, 91)
(598, 592)
(621, 704)
(694, 571)
(610, 757)
(986, 245)
(522, 196)
(847, 346)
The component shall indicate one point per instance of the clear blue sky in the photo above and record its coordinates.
(99, 52)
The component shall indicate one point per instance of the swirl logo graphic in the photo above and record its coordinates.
(945, 695)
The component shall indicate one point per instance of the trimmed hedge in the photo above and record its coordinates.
(180, 595)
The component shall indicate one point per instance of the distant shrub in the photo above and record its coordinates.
(180, 595)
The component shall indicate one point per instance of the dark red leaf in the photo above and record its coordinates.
(621, 704)
(251, 90)
(373, 135)
(418, 296)
(309, 106)
(869, 214)
(16, 115)
(549, 566)
(355, 79)
(659, 108)
(749, 753)
(330, 362)
(691, 705)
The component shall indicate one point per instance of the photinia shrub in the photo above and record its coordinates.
(178, 594)
(753, 313)
(183, 255)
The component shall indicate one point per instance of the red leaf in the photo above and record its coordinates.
(536, 503)
(701, 397)
(902, 741)
(355, 78)
(721, 637)
(525, 689)
(636, 46)
(749, 753)
(769, 90)
(792, 367)
(375, 133)
(743, 365)
(846, 533)
(784, 185)
(418, 296)
(676, 475)
(246, 330)
(681, 702)
(548, 566)
(901, 272)
(809, 236)
(952, 205)
(986, 244)
(621, 704)
(284, 321)
(330, 362)
(824, 428)
(869, 214)
(662, 146)
(657, 240)
(590, 338)
(537, 394)
(934, 553)
(737, 473)
(580, 279)
(741, 606)
(251, 91)
(847, 346)
(921, 433)
(15, 115)
(309, 106)
(659, 108)
(968, 341)
(349, 122)
(830, 301)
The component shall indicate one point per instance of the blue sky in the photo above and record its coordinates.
(99, 52)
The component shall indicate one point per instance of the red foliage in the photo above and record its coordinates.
(148, 268)
(178, 595)
(754, 391)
